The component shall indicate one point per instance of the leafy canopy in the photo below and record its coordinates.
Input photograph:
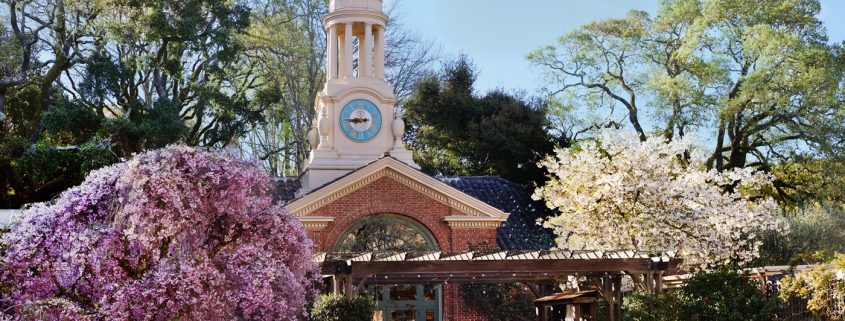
(456, 132)
(756, 79)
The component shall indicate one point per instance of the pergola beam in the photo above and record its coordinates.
(543, 269)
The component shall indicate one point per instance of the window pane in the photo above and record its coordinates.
(430, 292)
(429, 315)
(387, 233)
(403, 315)
(403, 293)
(377, 291)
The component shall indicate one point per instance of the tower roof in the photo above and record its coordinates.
(338, 5)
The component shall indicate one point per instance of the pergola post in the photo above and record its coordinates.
(342, 284)
(659, 283)
(579, 314)
(617, 297)
(336, 285)
(348, 289)
(611, 290)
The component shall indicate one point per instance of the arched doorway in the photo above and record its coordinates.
(396, 233)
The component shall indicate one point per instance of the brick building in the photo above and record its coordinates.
(359, 172)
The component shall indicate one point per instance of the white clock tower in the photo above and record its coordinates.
(356, 123)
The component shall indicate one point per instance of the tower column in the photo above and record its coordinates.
(379, 53)
(341, 64)
(365, 55)
(347, 57)
(332, 53)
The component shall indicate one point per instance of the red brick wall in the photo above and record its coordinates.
(386, 195)
(454, 308)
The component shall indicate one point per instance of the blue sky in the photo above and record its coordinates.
(497, 34)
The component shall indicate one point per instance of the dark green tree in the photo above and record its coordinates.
(66, 149)
(85, 83)
(454, 131)
(720, 295)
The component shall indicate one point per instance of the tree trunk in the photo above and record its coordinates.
(3, 111)
(720, 141)
(45, 96)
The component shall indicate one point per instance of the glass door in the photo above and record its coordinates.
(408, 302)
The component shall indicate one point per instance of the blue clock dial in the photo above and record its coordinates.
(360, 120)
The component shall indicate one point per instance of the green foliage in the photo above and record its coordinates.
(10, 52)
(506, 302)
(819, 179)
(150, 73)
(821, 288)
(760, 72)
(21, 106)
(156, 129)
(343, 308)
(194, 51)
(720, 295)
(455, 132)
(724, 295)
(63, 154)
(817, 231)
(642, 306)
(67, 123)
(41, 171)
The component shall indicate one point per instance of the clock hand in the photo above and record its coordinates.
(357, 120)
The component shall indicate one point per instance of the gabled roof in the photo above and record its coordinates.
(519, 232)
(478, 213)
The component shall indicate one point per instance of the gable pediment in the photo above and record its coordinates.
(476, 213)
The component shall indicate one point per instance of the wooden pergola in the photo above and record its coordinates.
(351, 271)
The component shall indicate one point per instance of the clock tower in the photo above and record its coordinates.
(356, 119)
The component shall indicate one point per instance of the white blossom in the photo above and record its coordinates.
(617, 193)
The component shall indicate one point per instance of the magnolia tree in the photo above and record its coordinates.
(173, 234)
(617, 193)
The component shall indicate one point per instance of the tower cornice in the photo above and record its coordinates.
(355, 15)
(346, 93)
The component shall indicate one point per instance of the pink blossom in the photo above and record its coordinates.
(173, 234)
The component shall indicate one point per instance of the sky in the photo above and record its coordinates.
(498, 34)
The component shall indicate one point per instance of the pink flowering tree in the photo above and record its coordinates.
(618, 193)
(173, 234)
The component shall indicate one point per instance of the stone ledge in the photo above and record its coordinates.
(315, 222)
(463, 221)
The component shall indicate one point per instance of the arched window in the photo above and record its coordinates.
(395, 233)
(386, 233)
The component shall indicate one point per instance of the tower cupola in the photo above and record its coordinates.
(365, 21)
(356, 115)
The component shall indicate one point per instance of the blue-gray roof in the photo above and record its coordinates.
(521, 231)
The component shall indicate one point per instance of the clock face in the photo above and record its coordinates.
(360, 120)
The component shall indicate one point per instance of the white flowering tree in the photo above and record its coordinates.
(617, 193)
